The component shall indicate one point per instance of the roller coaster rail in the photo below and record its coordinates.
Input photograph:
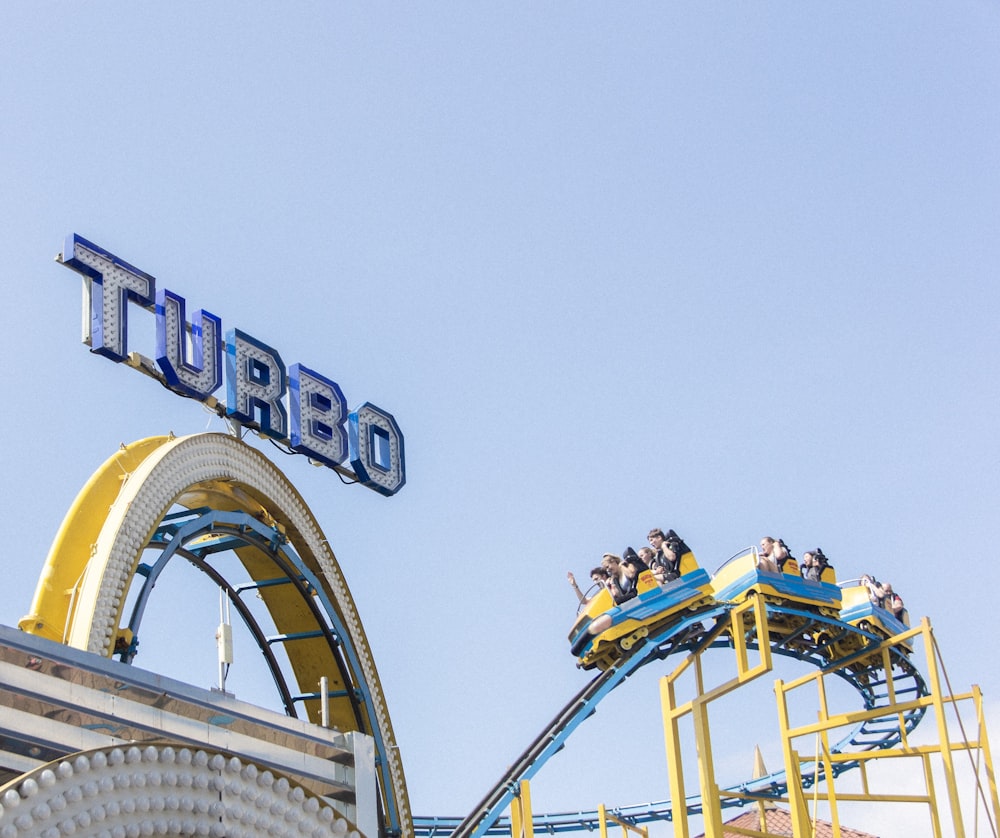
(879, 671)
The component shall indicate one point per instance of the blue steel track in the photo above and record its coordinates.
(813, 641)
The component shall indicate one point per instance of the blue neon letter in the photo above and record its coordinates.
(197, 373)
(112, 284)
(376, 449)
(319, 410)
(255, 383)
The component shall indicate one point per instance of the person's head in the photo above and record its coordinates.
(887, 588)
(655, 537)
(610, 562)
(647, 554)
(598, 575)
(807, 559)
(766, 545)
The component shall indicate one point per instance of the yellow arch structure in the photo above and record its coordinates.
(81, 593)
(74, 542)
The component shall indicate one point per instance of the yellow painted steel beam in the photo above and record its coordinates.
(672, 741)
(855, 716)
(932, 805)
(798, 807)
(76, 539)
(895, 753)
(832, 797)
(934, 680)
(720, 628)
(698, 708)
(858, 797)
(521, 820)
(627, 827)
(711, 810)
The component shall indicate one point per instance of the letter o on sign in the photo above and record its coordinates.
(376, 449)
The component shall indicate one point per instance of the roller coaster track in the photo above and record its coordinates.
(812, 638)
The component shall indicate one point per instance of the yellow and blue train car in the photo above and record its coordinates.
(603, 631)
(741, 577)
(859, 610)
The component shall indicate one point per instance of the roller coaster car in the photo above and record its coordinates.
(740, 578)
(604, 631)
(860, 611)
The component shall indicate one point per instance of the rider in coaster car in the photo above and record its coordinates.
(673, 556)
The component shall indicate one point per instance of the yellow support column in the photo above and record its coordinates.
(931, 795)
(799, 806)
(711, 811)
(602, 817)
(828, 772)
(698, 708)
(521, 822)
(675, 767)
(930, 649)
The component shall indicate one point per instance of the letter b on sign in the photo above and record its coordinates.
(319, 411)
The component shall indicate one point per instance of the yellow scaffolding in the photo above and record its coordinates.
(754, 612)
(940, 753)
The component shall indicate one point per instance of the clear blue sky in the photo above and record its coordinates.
(727, 268)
